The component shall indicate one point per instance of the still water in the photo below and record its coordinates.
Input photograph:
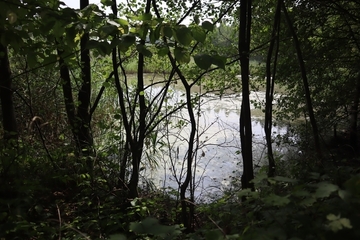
(217, 158)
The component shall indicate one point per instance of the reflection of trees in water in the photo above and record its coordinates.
(218, 156)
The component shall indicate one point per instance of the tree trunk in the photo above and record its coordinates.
(245, 116)
(305, 84)
(68, 95)
(270, 81)
(6, 97)
(83, 114)
(137, 149)
(354, 109)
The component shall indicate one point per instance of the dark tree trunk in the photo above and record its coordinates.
(83, 113)
(79, 118)
(354, 109)
(187, 216)
(6, 97)
(245, 116)
(137, 149)
(305, 84)
(68, 95)
(270, 82)
(129, 141)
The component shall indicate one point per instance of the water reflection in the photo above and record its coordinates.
(218, 156)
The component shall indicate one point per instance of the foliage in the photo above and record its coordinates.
(288, 208)
(138, 53)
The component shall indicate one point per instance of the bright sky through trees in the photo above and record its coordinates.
(76, 3)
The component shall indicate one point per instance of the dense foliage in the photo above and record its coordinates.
(95, 100)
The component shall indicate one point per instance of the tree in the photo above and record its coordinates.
(305, 84)
(6, 92)
(245, 116)
(270, 85)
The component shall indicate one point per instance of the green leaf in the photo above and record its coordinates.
(345, 222)
(126, 41)
(181, 55)
(142, 31)
(203, 61)
(58, 29)
(284, 179)
(332, 217)
(307, 202)
(166, 31)
(199, 34)
(325, 189)
(301, 193)
(343, 194)
(275, 200)
(337, 223)
(143, 50)
(107, 2)
(155, 34)
(183, 35)
(106, 84)
(207, 25)
(219, 61)
(103, 48)
(163, 51)
(70, 36)
(124, 24)
(107, 30)
(145, 17)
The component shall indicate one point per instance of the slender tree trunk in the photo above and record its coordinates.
(354, 109)
(305, 84)
(186, 204)
(128, 142)
(83, 114)
(6, 96)
(139, 145)
(270, 81)
(68, 95)
(129, 139)
(245, 116)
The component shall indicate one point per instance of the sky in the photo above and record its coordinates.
(76, 3)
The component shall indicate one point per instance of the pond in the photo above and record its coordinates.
(218, 156)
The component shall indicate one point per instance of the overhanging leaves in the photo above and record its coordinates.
(181, 55)
(166, 31)
(143, 50)
(207, 25)
(183, 35)
(126, 41)
(199, 34)
(203, 61)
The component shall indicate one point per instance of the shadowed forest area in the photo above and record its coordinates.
(169, 119)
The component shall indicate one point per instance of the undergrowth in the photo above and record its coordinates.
(41, 202)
